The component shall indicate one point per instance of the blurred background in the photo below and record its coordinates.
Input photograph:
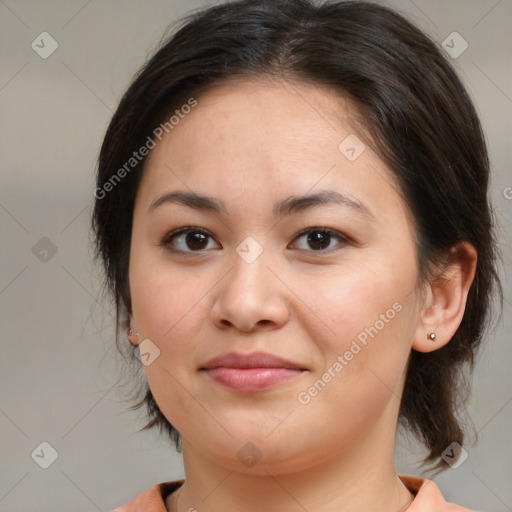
(64, 66)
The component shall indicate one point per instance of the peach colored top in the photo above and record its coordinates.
(428, 497)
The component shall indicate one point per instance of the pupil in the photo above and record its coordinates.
(195, 240)
(319, 238)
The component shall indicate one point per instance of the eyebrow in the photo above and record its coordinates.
(288, 206)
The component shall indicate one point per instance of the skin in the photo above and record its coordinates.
(251, 144)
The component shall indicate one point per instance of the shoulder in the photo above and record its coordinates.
(428, 496)
(152, 500)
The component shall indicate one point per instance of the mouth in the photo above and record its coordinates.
(251, 372)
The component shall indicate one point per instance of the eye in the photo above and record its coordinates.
(320, 239)
(187, 239)
(195, 239)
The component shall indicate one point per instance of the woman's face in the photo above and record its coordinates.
(339, 302)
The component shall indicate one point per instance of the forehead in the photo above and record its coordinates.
(268, 119)
(269, 110)
(263, 138)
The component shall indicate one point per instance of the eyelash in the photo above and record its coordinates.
(169, 237)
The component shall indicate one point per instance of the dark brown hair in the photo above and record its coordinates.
(416, 113)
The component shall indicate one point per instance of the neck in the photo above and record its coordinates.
(359, 479)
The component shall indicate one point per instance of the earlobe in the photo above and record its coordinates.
(133, 334)
(444, 309)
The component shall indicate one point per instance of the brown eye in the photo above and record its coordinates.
(196, 240)
(188, 239)
(320, 239)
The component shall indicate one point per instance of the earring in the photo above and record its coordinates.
(431, 336)
(129, 333)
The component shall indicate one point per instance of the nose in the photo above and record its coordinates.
(250, 297)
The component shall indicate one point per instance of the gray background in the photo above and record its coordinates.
(58, 364)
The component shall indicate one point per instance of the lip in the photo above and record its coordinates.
(255, 371)
(250, 360)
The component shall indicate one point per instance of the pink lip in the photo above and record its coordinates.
(251, 372)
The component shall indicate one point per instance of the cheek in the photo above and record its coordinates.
(358, 302)
(165, 298)
(364, 330)
(171, 306)
(169, 311)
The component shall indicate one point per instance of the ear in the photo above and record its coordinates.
(133, 332)
(446, 298)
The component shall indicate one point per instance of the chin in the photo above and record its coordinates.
(260, 454)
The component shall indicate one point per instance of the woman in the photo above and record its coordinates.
(291, 208)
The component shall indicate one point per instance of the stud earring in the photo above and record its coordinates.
(129, 333)
(431, 336)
